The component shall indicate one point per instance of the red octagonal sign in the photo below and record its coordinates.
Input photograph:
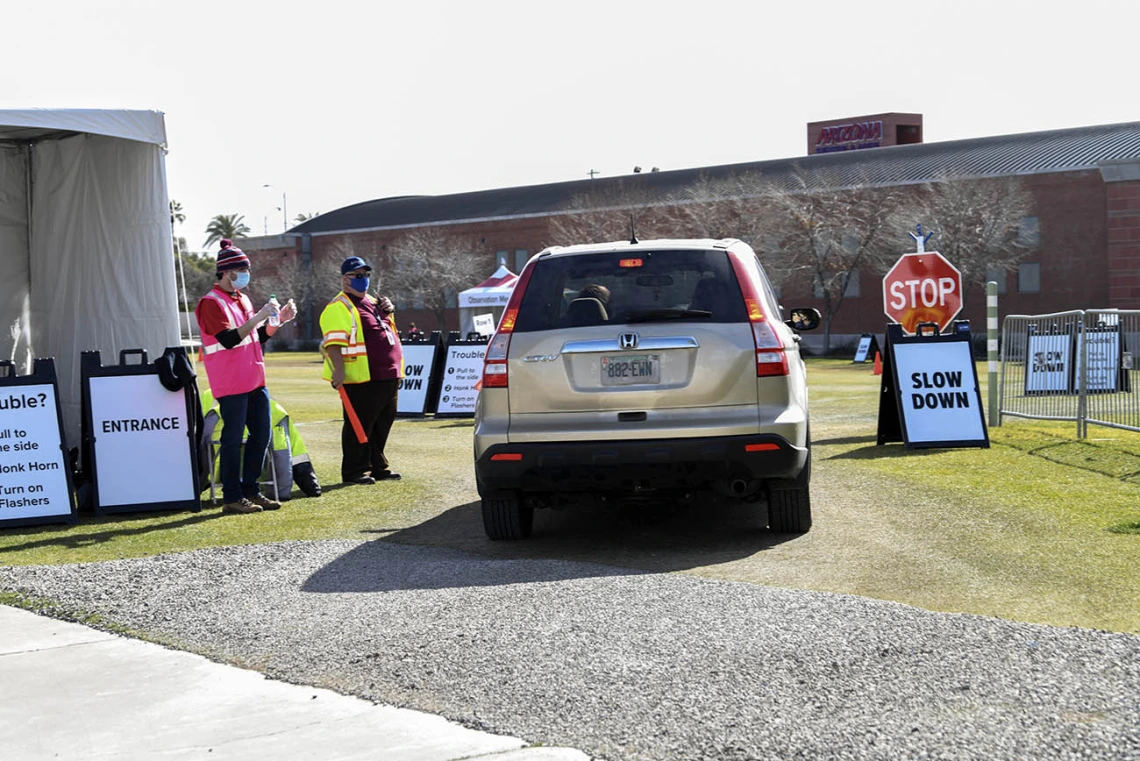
(922, 287)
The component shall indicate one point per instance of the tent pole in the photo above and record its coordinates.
(185, 303)
(29, 187)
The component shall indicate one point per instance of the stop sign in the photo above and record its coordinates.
(922, 287)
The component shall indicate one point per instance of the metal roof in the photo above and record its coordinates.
(1063, 150)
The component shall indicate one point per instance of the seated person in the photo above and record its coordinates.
(596, 291)
(589, 308)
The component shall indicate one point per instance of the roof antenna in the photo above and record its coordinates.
(632, 231)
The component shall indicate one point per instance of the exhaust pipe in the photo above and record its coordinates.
(738, 486)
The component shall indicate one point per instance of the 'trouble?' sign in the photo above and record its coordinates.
(33, 475)
(462, 372)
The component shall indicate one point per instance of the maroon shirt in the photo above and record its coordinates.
(385, 354)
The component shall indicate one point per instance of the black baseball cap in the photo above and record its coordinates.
(353, 263)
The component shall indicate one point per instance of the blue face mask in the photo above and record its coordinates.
(360, 283)
(242, 280)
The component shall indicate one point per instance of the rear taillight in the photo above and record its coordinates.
(495, 360)
(771, 359)
(495, 363)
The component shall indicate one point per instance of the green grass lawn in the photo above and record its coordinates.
(1040, 527)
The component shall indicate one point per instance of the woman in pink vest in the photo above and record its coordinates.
(232, 335)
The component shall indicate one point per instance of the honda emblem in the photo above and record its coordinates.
(628, 340)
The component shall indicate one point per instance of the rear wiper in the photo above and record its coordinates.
(649, 315)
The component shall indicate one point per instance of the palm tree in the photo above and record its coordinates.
(226, 226)
(177, 216)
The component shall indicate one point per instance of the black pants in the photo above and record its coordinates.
(375, 405)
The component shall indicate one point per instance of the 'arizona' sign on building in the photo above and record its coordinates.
(848, 137)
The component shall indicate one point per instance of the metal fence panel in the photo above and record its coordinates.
(1037, 365)
(1109, 375)
(1075, 365)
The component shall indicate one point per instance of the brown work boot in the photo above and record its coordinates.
(243, 505)
(264, 502)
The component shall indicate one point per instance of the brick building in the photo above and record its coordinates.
(1084, 235)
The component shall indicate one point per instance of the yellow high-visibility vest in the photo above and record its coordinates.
(340, 324)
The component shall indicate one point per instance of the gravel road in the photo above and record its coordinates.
(627, 665)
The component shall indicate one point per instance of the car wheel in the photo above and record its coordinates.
(789, 510)
(789, 503)
(505, 517)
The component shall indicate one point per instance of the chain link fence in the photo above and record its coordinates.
(1075, 365)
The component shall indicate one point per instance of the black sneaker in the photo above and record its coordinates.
(360, 480)
(387, 475)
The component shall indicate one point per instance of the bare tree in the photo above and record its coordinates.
(429, 266)
(289, 279)
(977, 224)
(823, 232)
(729, 207)
(613, 211)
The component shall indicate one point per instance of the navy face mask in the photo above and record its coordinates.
(360, 283)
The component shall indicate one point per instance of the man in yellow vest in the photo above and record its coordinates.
(363, 354)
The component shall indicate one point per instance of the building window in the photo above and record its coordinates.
(500, 259)
(1029, 278)
(997, 274)
(520, 259)
(1029, 232)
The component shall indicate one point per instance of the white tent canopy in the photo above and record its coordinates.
(489, 297)
(85, 240)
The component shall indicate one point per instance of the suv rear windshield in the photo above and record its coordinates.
(630, 286)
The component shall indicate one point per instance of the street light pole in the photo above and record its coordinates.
(283, 207)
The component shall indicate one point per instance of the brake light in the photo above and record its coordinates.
(629, 262)
(771, 359)
(508, 456)
(754, 448)
(495, 360)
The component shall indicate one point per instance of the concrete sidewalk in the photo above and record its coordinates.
(71, 692)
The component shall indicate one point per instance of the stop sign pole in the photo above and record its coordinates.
(922, 287)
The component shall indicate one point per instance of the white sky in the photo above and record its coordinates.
(334, 102)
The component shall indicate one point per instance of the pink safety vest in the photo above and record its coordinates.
(238, 370)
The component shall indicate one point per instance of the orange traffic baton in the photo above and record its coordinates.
(361, 436)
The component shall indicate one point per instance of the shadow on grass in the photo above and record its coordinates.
(841, 440)
(451, 550)
(86, 532)
(886, 452)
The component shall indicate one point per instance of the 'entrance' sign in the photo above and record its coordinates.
(142, 444)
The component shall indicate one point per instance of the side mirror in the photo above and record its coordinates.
(804, 318)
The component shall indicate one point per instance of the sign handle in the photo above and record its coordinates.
(361, 437)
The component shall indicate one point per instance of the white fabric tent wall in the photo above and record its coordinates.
(85, 240)
(489, 297)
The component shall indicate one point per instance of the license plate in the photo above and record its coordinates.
(631, 369)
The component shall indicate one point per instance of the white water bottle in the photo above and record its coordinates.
(274, 320)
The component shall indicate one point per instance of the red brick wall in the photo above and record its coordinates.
(1123, 213)
(1070, 208)
(1089, 252)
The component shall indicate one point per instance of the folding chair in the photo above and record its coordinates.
(211, 435)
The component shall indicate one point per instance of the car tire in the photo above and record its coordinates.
(505, 517)
(789, 510)
(789, 503)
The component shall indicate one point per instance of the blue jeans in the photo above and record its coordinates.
(241, 412)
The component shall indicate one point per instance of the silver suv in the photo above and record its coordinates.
(657, 368)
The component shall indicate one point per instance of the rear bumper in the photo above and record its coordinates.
(637, 465)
